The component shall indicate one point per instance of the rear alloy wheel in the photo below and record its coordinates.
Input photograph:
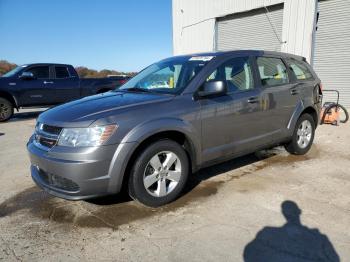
(303, 136)
(159, 173)
(6, 109)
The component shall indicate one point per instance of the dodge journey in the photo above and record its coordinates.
(176, 116)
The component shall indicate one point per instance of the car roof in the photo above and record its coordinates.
(45, 64)
(245, 52)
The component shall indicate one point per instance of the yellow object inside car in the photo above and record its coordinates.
(171, 82)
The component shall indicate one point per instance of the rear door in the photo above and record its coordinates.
(66, 86)
(280, 94)
(37, 91)
(302, 75)
(232, 123)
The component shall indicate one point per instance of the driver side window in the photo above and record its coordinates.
(237, 74)
(40, 72)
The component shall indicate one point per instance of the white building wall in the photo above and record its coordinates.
(194, 23)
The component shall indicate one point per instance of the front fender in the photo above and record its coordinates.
(10, 96)
(145, 130)
(139, 134)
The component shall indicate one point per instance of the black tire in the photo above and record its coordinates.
(136, 187)
(6, 109)
(346, 118)
(293, 146)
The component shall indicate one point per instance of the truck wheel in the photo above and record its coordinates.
(6, 109)
(159, 173)
(303, 136)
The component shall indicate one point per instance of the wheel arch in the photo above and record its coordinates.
(10, 98)
(173, 135)
(300, 109)
(143, 136)
(311, 111)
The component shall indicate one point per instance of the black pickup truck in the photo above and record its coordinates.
(39, 85)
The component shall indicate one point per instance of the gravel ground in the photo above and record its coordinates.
(270, 206)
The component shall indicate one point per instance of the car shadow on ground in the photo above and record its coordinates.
(194, 187)
(34, 199)
(195, 179)
(116, 210)
(291, 242)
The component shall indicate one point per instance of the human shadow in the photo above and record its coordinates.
(291, 242)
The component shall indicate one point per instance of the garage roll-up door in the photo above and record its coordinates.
(332, 47)
(256, 29)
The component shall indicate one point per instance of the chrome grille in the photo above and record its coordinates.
(46, 136)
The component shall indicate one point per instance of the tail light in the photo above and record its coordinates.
(123, 81)
(321, 87)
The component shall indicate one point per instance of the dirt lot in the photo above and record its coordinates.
(231, 212)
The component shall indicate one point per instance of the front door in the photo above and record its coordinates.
(280, 96)
(37, 91)
(231, 124)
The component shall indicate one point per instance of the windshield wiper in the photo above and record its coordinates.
(137, 89)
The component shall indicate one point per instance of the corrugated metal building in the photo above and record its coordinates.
(317, 30)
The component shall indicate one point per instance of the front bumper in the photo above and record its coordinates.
(76, 173)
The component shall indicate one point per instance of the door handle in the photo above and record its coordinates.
(253, 100)
(294, 92)
(48, 82)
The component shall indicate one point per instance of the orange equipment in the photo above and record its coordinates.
(333, 113)
(330, 114)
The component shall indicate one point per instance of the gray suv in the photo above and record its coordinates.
(176, 116)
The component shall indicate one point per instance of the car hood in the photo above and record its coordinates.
(83, 112)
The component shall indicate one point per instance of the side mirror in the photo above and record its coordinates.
(27, 76)
(213, 88)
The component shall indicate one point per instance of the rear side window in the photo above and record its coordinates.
(61, 72)
(40, 72)
(300, 70)
(272, 71)
(236, 72)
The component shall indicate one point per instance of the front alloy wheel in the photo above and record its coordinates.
(159, 173)
(162, 174)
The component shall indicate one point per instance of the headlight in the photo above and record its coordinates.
(91, 136)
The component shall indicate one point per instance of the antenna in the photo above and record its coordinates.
(273, 26)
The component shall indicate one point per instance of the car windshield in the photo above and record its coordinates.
(168, 76)
(13, 71)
